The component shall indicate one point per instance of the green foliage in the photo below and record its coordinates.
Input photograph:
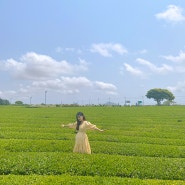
(141, 144)
(76, 180)
(159, 95)
(18, 103)
(57, 163)
(4, 102)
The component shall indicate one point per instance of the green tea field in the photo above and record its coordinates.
(141, 145)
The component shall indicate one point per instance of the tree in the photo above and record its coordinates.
(4, 102)
(18, 103)
(159, 95)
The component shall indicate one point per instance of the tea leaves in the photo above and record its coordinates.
(142, 145)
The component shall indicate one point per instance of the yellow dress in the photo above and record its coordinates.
(81, 141)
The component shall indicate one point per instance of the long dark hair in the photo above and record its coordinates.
(79, 122)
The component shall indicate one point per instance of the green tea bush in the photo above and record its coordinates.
(56, 163)
(142, 145)
(76, 180)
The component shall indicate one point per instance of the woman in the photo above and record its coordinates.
(82, 143)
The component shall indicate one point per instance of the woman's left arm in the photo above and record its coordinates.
(93, 127)
(96, 128)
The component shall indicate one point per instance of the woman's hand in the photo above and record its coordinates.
(62, 125)
(103, 130)
(100, 130)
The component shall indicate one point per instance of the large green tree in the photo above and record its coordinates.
(159, 95)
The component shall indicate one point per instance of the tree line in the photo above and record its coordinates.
(7, 102)
(157, 94)
(4, 102)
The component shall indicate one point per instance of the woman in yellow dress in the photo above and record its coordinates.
(81, 125)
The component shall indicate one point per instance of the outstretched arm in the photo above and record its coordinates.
(70, 125)
(92, 127)
(96, 128)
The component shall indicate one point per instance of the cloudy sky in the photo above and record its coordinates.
(91, 51)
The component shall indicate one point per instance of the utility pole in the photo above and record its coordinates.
(45, 97)
(30, 100)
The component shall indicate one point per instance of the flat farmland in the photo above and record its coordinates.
(141, 145)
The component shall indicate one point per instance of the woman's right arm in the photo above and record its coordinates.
(70, 125)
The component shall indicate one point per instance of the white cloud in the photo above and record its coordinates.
(172, 14)
(180, 87)
(153, 68)
(71, 85)
(14, 65)
(61, 50)
(42, 72)
(106, 49)
(77, 83)
(180, 69)
(64, 84)
(33, 66)
(165, 68)
(179, 59)
(7, 94)
(107, 87)
(133, 70)
(83, 65)
(64, 50)
(144, 51)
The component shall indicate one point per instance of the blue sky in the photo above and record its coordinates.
(91, 51)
